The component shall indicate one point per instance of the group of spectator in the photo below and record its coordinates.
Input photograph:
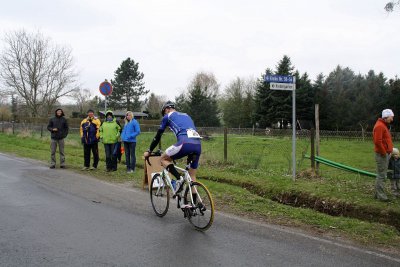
(110, 132)
(92, 131)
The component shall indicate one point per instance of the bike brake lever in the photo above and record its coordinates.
(148, 161)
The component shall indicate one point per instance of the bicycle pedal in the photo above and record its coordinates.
(187, 212)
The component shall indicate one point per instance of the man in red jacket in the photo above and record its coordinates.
(383, 149)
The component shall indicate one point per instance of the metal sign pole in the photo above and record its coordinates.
(286, 83)
(105, 105)
(294, 129)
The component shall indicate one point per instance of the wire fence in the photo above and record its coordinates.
(269, 150)
(346, 135)
(210, 131)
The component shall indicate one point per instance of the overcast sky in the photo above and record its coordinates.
(172, 40)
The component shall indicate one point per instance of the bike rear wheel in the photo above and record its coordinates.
(159, 195)
(201, 214)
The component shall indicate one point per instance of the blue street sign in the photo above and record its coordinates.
(278, 78)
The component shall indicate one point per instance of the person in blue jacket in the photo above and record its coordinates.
(129, 132)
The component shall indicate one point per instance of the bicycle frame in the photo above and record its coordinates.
(199, 213)
(187, 182)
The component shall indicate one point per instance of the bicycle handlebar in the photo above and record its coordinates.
(153, 154)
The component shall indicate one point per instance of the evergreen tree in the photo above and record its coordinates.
(274, 105)
(350, 102)
(379, 95)
(370, 99)
(203, 108)
(281, 101)
(305, 95)
(322, 97)
(200, 102)
(153, 106)
(128, 87)
(394, 99)
(339, 84)
(262, 101)
(181, 103)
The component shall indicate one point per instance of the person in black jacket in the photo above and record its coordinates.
(58, 127)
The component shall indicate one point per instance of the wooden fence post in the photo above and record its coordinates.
(312, 150)
(225, 144)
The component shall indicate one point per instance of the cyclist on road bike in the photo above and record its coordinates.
(188, 141)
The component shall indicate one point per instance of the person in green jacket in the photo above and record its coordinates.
(109, 134)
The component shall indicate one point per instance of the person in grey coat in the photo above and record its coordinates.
(58, 127)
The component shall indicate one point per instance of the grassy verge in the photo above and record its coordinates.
(254, 183)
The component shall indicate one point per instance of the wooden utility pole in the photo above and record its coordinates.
(317, 135)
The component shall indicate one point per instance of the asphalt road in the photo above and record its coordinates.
(61, 218)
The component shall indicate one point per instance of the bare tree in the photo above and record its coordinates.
(38, 71)
(82, 98)
(205, 81)
(3, 98)
(389, 7)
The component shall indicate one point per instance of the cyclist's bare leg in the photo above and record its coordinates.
(192, 173)
(165, 160)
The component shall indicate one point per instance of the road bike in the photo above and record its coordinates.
(194, 199)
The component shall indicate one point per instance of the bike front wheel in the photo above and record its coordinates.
(159, 195)
(201, 213)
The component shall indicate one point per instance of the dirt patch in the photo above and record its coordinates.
(336, 207)
(333, 207)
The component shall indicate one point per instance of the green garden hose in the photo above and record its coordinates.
(341, 166)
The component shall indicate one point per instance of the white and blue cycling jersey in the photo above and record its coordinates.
(182, 126)
(188, 140)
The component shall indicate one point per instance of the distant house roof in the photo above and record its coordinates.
(122, 113)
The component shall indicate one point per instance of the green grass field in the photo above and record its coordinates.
(256, 179)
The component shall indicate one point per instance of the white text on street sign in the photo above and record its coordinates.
(282, 86)
(278, 78)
